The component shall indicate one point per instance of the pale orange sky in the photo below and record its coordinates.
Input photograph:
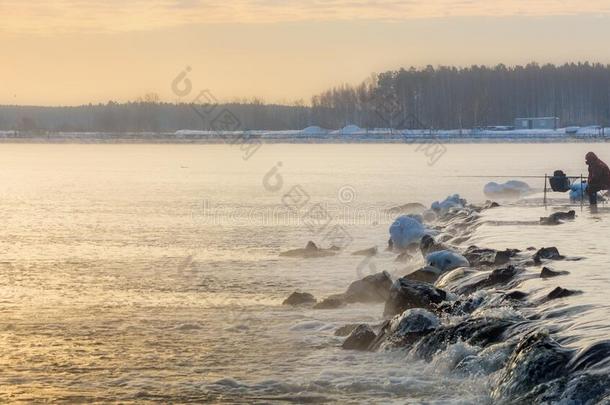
(74, 51)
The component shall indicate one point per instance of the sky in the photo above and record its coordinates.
(70, 52)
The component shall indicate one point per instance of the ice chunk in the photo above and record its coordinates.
(510, 189)
(407, 230)
(443, 207)
(446, 260)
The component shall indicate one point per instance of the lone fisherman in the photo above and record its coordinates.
(599, 176)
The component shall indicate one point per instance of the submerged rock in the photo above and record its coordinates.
(547, 272)
(345, 330)
(406, 294)
(557, 218)
(332, 302)
(372, 251)
(515, 295)
(595, 356)
(475, 331)
(489, 257)
(406, 328)
(536, 360)
(550, 253)
(373, 288)
(310, 251)
(497, 277)
(299, 298)
(360, 338)
(559, 292)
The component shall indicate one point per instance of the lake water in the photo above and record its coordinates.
(152, 272)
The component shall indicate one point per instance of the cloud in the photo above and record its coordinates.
(71, 16)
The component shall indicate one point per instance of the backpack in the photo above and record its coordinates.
(559, 182)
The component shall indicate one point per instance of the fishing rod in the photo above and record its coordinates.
(501, 177)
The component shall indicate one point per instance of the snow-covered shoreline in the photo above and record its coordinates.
(349, 134)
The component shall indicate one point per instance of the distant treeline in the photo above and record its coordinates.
(440, 98)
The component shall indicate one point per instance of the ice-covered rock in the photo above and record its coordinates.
(510, 189)
(313, 130)
(406, 230)
(443, 207)
(349, 130)
(446, 260)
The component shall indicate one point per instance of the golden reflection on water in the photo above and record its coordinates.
(114, 285)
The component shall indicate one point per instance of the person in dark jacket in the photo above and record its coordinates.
(599, 176)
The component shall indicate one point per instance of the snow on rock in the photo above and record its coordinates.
(446, 260)
(407, 230)
(443, 207)
(510, 189)
(313, 130)
(350, 130)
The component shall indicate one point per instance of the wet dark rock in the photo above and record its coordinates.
(406, 328)
(559, 292)
(516, 295)
(461, 307)
(360, 338)
(547, 272)
(331, 302)
(372, 288)
(531, 248)
(372, 251)
(489, 257)
(428, 274)
(581, 388)
(311, 250)
(475, 331)
(428, 245)
(585, 388)
(595, 356)
(299, 298)
(550, 253)
(406, 294)
(497, 277)
(557, 218)
(536, 360)
(345, 330)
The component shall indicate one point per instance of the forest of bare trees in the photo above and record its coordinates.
(440, 98)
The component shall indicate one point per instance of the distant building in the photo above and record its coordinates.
(537, 123)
